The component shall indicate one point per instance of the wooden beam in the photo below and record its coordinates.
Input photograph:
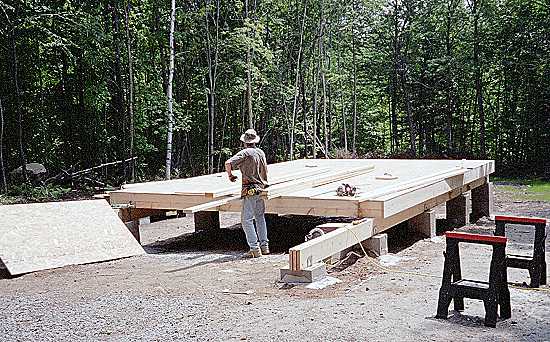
(134, 214)
(310, 252)
(381, 224)
(212, 205)
(399, 201)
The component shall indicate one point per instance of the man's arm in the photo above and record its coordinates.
(228, 169)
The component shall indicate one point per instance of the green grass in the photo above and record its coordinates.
(525, 189)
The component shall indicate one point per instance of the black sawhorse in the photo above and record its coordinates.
(493, 293)
(536, 265)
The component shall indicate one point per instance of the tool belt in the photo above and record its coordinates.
(250, 190)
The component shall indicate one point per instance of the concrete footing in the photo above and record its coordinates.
(308, 275)
(378, 244)
(424, 223)
(207, 220)
(458, 210)
(482, 201)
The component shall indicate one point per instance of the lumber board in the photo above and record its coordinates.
(210, 205)
(310, 252)
(41, 236)
(300, 184)
(308, 172)
(298, 206)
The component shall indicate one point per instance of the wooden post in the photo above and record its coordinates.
(207, 220)
(482, 201)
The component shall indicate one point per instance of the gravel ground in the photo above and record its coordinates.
(185, 289)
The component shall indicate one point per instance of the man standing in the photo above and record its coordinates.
(251, 161)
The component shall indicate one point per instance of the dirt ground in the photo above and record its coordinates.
(194, 287)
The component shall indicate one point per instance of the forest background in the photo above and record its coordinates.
(85, 83)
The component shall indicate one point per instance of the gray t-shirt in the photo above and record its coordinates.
(251, 161)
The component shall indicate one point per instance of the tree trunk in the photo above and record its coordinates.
(249, 75)
(315, 91)
(342, 103)
(394, 129)
(296, 89)
(21, 139)
(322, 57)
(304, 114)
(354, 61)
(170, 116)
(130, 92)
(4, 187)
(478, 81)
(212, 59)
(410, 120)
(450, 81)
(119, 90)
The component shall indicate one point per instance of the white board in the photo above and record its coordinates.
(41, 236)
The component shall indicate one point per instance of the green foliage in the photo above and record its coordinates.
(28, 193)
(406, 69)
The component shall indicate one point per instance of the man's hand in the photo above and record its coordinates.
(228, 169)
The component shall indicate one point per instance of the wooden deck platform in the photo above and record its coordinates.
(418, 182)
(389, 192)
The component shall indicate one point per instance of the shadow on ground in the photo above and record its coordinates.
(284, 232)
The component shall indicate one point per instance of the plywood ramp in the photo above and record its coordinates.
(41, 236)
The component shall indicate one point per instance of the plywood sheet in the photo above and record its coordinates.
(41, 236)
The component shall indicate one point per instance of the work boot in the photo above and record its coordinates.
(264, 249)
(253, 253)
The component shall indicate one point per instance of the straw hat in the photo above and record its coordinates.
(250, 137)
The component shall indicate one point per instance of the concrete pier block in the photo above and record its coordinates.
(309, 275)
(378, 244)
(458, 210)
(424, 223)
(482, 201)
(207, 220)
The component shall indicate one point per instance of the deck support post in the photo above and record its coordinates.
(424, 223)
(482, 201)
(458, 210)
(378, 244)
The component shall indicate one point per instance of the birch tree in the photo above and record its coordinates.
(169, 95)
